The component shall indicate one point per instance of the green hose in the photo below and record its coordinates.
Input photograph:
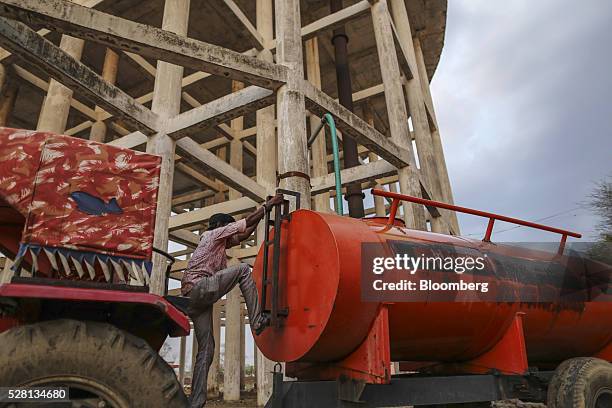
(334, 139)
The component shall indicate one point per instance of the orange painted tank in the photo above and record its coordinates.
(320, 285)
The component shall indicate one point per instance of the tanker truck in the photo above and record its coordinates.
(528, 324)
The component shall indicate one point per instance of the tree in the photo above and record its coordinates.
(601, 204)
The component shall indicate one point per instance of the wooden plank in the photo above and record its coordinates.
(69, 18)
(220, 110)
(320, 103)
(367, 172)
(233, 178)
(24, 42)
(254, 36)
(202, 215)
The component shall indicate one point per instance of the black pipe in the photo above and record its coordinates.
(354, 195)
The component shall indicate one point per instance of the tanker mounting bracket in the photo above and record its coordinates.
(281, 213)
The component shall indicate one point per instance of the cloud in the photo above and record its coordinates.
(522, 96)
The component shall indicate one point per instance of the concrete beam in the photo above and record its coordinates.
(335, 20)
(28, 45)
(44, 86)
(202, 215)
(191, 197)
(233, 178)
(130, 141)
(185, 237)
(319, 103)
(367, 172)
(199, 177)
(69, 18)
(254, 36)
(219, 111)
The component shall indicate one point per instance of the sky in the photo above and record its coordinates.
(523, 100)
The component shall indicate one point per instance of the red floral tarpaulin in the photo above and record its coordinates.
(85, 202)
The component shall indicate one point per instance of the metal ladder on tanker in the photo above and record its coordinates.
(281, 213)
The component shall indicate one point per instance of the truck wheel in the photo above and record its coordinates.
(583, 382)
(101, 365)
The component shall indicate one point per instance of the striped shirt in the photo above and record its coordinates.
(209, 257)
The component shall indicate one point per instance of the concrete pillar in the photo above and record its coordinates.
(242, 349)
(220, 195)
(318, 150)
(182, 349)
(109, 74)
(194, 352)
(290, 107)
(233, 318)
(213, 372)
(231, 372)
(7, 273)
(379, 202)
(396, 110)
(418, 113)
(9, 88)
(445, 185)
(56, 106)
(266, 164)
(166, 104)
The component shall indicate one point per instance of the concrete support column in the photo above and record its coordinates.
(242, 349)
(438, 150)
(231, 372)
(213, 372)
(379, 202)
(56, 106)
(7, 273)
(194, 353)
(109, 74)
(233, 318)
(290, 106)
(266, 164)
(318, 150)
(182, 349)
(9, 88)
(166, 104)
(418, 113)
(414, 215)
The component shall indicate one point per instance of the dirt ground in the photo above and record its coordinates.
(248, 400)
(251, 401)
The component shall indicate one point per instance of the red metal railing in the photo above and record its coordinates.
(491, 216)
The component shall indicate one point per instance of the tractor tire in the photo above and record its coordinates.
(583, 382)
(101, 365)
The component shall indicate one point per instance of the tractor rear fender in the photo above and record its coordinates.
(142, 314)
